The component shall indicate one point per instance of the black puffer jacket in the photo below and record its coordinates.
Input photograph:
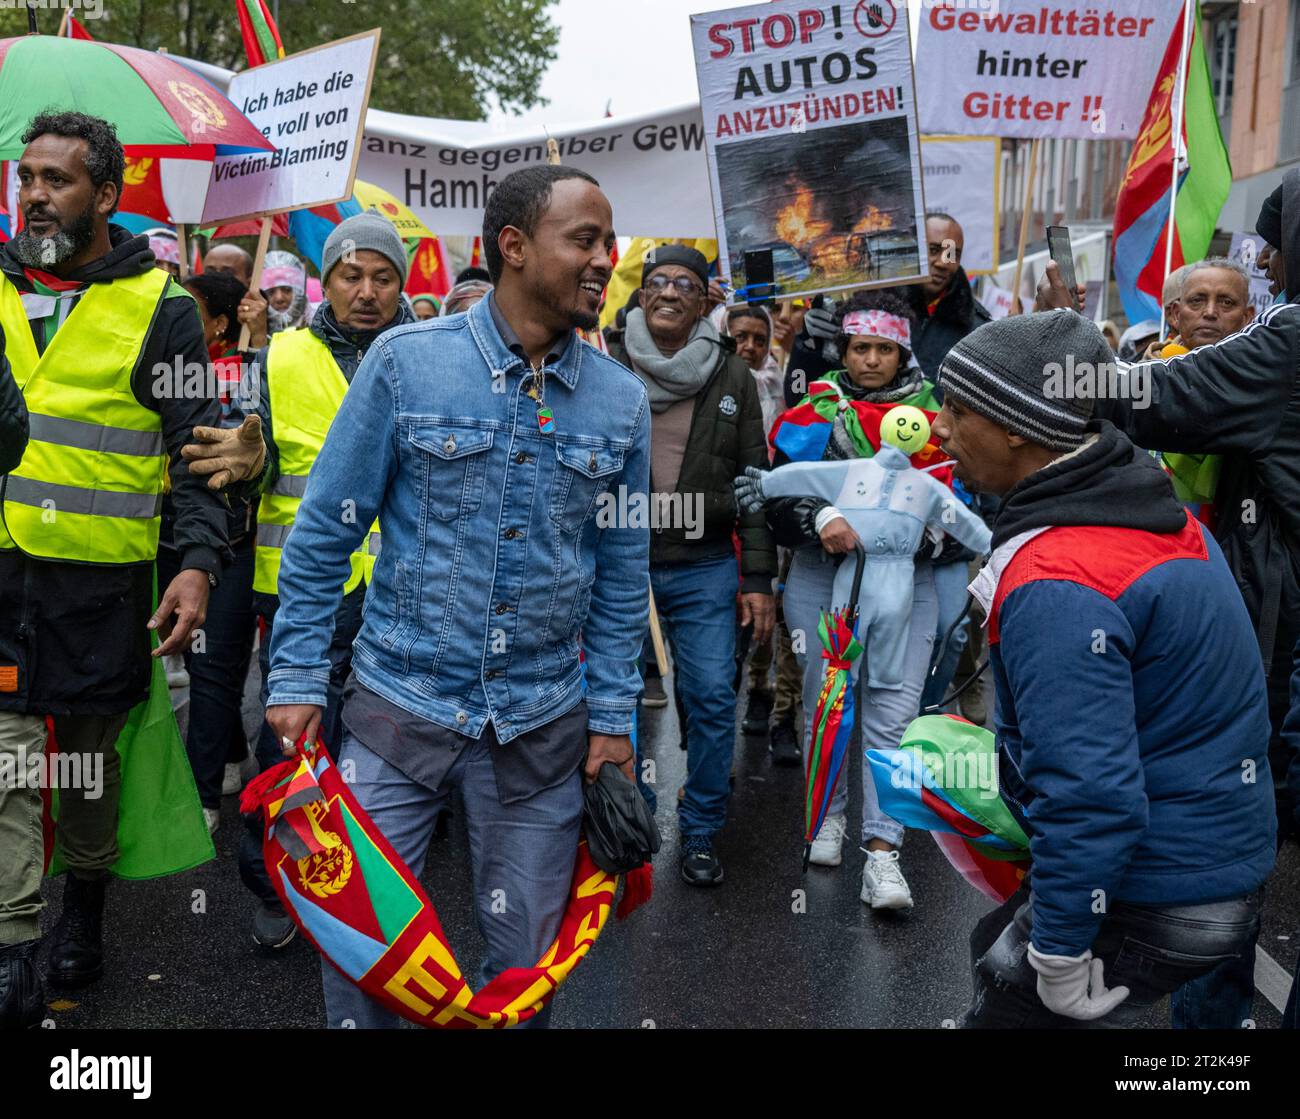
(726, 436)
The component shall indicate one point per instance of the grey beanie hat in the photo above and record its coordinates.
(1036, 375)
(370, 230)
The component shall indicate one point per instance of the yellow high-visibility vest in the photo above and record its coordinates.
(306, 389)
(89, 487)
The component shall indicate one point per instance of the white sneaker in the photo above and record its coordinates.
(830, 838)
(212, 817)
(177, 676)
(883, 884)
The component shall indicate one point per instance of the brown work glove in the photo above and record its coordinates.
(227, 454)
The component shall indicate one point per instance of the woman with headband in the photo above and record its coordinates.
(875, 338)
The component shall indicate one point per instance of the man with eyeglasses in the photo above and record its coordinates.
(705, 422)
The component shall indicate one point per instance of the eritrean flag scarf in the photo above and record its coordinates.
(802, 433)
(356, 900)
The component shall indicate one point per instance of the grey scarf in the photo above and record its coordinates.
(670, 379)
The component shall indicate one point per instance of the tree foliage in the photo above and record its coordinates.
(440, 58)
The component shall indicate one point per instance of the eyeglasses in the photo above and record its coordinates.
(684, 285)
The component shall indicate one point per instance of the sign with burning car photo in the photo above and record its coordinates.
(814, 152)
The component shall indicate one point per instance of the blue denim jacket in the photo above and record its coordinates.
(493, 563)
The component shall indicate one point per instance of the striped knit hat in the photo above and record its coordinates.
(1014, 371)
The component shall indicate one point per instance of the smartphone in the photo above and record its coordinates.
(760, 285)
(1058, 247)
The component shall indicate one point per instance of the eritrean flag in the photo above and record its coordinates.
(257, 28)
(1204, 180)
(428, 272)
(943, 778)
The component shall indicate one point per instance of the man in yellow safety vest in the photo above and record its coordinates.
(108, 354)
(304, 376)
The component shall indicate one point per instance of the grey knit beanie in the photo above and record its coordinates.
(370, 230)
(1035, 375)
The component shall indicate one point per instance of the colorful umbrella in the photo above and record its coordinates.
(943, 778)
(371, 197)
(152, 99)
(833, 719)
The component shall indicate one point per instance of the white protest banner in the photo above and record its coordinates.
(814, 153)
(1036, 69)
(312, 106)
(1245, 249)
(963, 179)
(651, 167)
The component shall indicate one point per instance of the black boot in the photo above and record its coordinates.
(22, 997)
(785, 745)
(757, 712)
(76, 945)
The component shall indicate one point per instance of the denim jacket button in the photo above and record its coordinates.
(450, 444)
(462, 718)
(591, 463)
(502, 607)
(521, 458)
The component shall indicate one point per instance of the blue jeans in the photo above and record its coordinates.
(950, 582)
(1151, 950)
(697, 602)
(215, 733)
(347, 622)
(882, 714)
(521, 854)
(1219, 1000)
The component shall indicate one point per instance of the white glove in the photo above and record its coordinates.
(1072, 986)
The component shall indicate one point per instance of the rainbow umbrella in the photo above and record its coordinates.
(943, 778)
(833, 719)
(157, 104)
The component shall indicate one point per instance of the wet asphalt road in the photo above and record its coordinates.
(751, 953)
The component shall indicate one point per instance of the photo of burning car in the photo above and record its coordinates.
(835, 207)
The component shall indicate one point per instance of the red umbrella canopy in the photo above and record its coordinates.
(152, 99)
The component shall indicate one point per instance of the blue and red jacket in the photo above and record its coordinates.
(1132, 723)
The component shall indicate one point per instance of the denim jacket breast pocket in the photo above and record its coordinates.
(453, 456)
(585, 466)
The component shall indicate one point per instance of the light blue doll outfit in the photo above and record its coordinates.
(889, 504)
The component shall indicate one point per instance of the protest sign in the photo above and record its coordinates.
(1245, 249)
(813, 148)
(651, 167)
(312, 106)
(963, 179)
(1035, 69)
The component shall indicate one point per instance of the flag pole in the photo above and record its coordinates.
(1017, 304)
(1176, 139)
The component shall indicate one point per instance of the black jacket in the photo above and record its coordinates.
(77, 631)
(957, 314)
(13, 415)
(726, 436)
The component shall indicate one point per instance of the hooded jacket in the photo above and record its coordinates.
(1130, 695)
(77, 631)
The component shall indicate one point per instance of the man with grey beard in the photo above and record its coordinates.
(88, 324)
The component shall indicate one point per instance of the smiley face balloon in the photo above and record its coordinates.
(906, 428)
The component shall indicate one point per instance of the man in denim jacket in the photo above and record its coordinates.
(483, 442)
